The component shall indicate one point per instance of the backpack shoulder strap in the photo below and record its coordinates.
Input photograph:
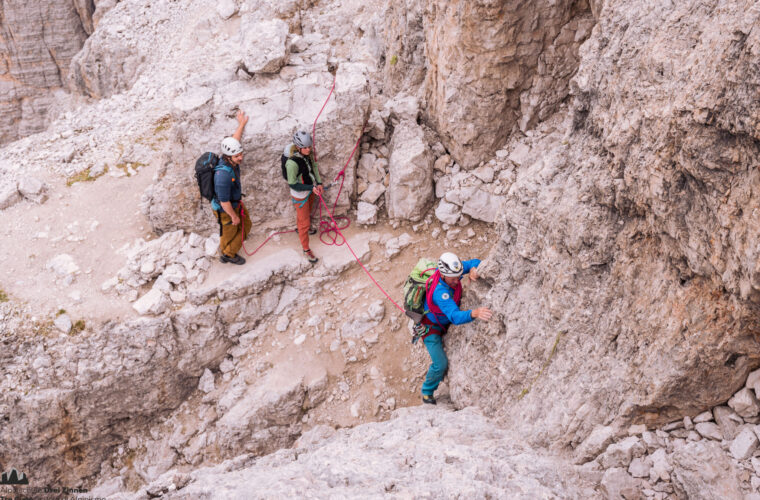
(430, 285)
(225, 167)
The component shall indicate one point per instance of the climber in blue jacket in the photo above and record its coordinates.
(442, 303)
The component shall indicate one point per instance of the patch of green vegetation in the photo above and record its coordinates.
(162, 125)
(394, 60)
(3, 296)
(60, 311)
(77, 327)
(44, 329)
(83, 176)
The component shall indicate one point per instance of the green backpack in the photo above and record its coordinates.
(415, 289)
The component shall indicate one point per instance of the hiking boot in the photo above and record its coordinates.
(232, 260)
(312, 231)
(428, 398)
(310, 255)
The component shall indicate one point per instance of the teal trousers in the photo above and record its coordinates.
(437, 369)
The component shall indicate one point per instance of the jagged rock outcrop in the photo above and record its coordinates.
(708, 455)
(624, 280)
(281, 80)
(496, 67)
(404, 43)
(422, 452)
(38, 40)
(93, 391)
(411, 173)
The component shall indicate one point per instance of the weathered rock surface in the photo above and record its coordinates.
(498, 66)
(701, 470)
(366, 213)
(411, 173)
(626, 263)
(32, 189)
(9, 195)
(114, 379)
(454, 453)
(37, 42)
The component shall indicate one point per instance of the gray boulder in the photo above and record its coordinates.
(702, 471)
(448, 213)
(9, 195)
(411, 173)
(33, 189)
(366, 213)
(265, 49)
(744, 403)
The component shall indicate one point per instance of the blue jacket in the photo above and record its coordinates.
(227, 185)
(443, 296)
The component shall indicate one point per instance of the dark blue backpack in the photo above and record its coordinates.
(204, 174)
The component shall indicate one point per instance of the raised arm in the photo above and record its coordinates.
(242, 119)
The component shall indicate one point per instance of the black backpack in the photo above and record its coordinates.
(204, 174)
(283, 160)
(288, 154)
(299, 161)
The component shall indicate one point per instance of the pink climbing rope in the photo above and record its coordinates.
(314, 136)
(314, 127)
(322, 201)
(330, 227)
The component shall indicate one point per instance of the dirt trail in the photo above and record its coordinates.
(89, 221)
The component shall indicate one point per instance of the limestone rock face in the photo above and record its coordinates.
(85, 395)
(277, 107)
(267, 41)
(498, 66)
(404, 40)
(372, 461)
(411, 173)
(38, 40)
(625, 274)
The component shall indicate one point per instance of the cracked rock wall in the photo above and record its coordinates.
(38, 40)
(632, 229)
(498, 66)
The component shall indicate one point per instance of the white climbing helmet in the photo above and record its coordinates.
(302, 139)
(231, 146)
(450, 266)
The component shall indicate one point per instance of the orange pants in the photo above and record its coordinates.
(231, 241)
(303, 219)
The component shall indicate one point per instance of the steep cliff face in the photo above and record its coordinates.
(630, 230)
(496, 67)
(620, 138)
(37, 42)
